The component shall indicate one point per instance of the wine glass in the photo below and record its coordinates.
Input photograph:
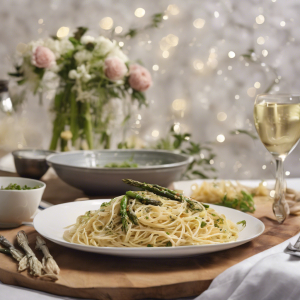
(277, 121)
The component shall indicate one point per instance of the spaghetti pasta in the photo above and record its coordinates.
(171, 224)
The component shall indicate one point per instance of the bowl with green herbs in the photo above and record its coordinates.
(100, 172)
(19, 200)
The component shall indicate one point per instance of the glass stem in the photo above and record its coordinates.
(280, 207)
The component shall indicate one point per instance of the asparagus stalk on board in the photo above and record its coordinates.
(165, 192)
(29, 260)
(49, 264)
(15, 253)
(132, 217)
(142, 199)
(123, 213)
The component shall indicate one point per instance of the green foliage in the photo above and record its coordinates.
(80, 32)
(156, 20)
(200, 167)
(243, 131)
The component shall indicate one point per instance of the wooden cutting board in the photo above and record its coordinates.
(94, 276)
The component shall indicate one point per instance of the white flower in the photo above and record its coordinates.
(54, 46)
(87, 39)
(73, 74)
(103, 45)
(83, 55)
(80, 73)
(116, 51)
(65, 46)
(32, 47)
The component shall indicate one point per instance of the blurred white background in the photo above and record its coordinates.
(201, 78)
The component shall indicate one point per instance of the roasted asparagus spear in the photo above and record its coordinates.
(15, 253)
(132, 217)
(49, 264)
(165, 192)
(5, 251)
(29, 260)
(123, 213)
(155, 189)
(142, 199)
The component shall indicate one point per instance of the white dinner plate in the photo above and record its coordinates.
(51, 224)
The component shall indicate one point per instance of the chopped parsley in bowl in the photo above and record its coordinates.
(14, 186)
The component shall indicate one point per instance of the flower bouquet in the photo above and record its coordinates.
(93, 81)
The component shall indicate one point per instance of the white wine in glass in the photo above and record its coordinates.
(277, 121)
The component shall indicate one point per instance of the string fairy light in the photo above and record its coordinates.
(106, 23)
(118, 29)
(260, 19)
(139, 12)
(199, 23)
(62, 32)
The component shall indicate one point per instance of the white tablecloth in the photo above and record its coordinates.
(269, 275)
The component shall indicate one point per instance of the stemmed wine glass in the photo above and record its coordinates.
(277, 121)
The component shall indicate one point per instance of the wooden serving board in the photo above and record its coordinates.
(94, 276)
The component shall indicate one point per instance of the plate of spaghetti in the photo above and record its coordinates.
(153, 222)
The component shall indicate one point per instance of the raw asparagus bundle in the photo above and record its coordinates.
(15, 253)
(29, 260)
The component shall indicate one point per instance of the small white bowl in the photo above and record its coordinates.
(17, 206)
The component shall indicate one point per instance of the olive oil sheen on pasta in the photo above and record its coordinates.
(278, 126)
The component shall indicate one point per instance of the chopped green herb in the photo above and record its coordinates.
(196, 217)
(243, 222)
(205, 205)
(147, 217)
(203, 224)
(105, 204)
(149, 245)
(167, 233)
(244, 203)
(169, 244)
(124, 164)
(14, 186)
(214, 215)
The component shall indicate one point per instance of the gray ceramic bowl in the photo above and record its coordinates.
(31, 163)
(85, 169)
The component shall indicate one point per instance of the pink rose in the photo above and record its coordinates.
(114, 68)
(140, 78)
(43, 57)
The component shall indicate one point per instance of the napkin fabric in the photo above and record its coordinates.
(269, 275)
